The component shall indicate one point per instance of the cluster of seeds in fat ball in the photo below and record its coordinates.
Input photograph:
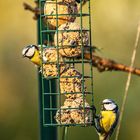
(63, 8)
(71, 82)
(50, 67)
(70, 39)
(74, 111)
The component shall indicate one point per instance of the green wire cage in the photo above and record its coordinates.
(66, 78)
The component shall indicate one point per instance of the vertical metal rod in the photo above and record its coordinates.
(65, 133)
(46, 133)
(91, 49)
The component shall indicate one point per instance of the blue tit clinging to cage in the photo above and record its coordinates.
(33, 53)
(45, 59)
(106, 122)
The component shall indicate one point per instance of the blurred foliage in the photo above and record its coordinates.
(114, 29)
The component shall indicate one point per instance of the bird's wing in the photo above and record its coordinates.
(97, 124)
(115, 124)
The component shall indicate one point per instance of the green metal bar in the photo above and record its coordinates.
(65, 133)
(66, 46)
(67, 108)
(78, 15)
(67, 93)
(83, 64)
(66, 125)
(71, 61)
(53, 31)
(91, 68)
(46, 133)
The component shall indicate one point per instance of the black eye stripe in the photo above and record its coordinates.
(27, 50)
(107, 103)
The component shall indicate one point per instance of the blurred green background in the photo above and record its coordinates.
(114, 29)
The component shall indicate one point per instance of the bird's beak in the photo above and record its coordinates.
(23, 56)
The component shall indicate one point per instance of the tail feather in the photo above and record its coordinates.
(103, 137)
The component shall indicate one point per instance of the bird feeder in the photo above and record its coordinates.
(66, 78)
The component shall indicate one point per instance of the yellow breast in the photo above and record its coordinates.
(107, 120)
(36, 59)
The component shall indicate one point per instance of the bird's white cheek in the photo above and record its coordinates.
(110, 106)
(23, 51)
(30, 52)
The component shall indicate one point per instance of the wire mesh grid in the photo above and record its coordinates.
(65, 33)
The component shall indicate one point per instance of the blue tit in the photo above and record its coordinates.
(45, 58)
(32, 52)
(106, 122)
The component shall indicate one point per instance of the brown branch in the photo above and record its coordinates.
(34, 10)
(103, 64)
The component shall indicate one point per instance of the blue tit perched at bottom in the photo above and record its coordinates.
(106, 122)
(33, 53)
